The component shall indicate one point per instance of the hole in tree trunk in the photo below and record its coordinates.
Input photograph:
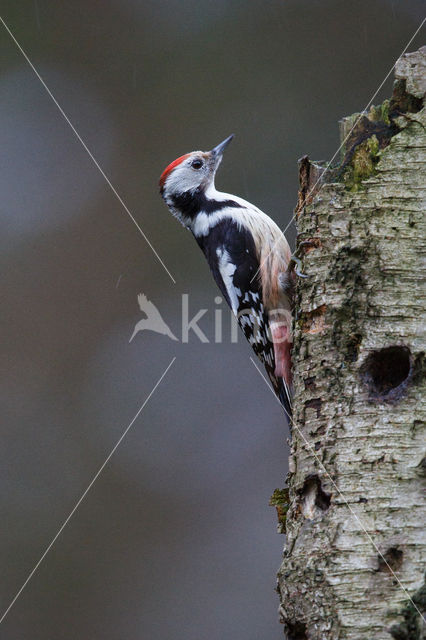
(421, 467)
(314, 500)
(391, 560)
(296, 631)
(386, 372)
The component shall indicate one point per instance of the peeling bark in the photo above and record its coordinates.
(358, 447)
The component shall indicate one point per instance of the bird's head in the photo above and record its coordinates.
(190, 176)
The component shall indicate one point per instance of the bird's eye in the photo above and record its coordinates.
(197, 163)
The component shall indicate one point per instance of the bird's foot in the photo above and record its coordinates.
(295, 261)
(296, 265)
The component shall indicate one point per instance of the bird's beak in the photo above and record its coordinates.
(217, 152)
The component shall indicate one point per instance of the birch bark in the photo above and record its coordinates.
(353, 564)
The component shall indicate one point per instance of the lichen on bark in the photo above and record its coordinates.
(353, 563)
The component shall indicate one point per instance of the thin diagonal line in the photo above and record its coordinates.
(369, 103)
(92, 157)
(312, 450)
(84, 494)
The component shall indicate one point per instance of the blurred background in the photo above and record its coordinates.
(176, 538)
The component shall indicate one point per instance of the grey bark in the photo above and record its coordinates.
(353, 564)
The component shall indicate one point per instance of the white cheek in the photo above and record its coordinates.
(183, 179)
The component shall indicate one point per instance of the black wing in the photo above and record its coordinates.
(231, 254)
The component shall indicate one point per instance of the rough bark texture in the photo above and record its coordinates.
(358, 446)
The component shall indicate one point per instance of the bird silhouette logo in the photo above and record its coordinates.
(153, 320)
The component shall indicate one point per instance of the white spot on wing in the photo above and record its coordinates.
(227, 270)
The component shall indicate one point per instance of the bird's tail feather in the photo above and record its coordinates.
(285, 395)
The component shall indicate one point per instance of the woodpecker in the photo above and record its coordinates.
(248, 255)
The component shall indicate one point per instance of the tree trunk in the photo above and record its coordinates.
(355, 524)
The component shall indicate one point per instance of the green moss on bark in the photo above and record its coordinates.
(281, 501)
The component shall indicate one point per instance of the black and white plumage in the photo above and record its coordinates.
(248, 256)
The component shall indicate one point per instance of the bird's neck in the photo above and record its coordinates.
(191, 206)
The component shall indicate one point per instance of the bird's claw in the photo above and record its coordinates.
(298, 266)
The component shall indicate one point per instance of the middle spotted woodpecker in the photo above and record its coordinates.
(247, 253)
